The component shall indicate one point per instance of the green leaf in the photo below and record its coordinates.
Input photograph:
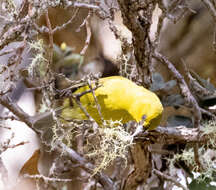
(197, 185)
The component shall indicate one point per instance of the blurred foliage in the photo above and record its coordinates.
(179, 120)
(204, 185)
(66, 61)
(205, 100)
(158, 83)
(204, 83)
(173, 100)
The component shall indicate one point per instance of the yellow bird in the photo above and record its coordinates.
(119, 99)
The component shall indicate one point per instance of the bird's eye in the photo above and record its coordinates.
(143, 117)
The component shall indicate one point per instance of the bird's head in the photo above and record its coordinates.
(149, 108)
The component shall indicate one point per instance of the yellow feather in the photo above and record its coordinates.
(119, 99)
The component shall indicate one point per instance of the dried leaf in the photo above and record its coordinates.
(31, 166)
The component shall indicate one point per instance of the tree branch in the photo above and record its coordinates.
(17, 111)
(169, 178)
(104, 180)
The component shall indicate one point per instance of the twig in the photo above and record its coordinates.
(214, 40)
(173, 6)
(67, 92)
(17, 111)
(193, 83)
(24, 8)
(7, 146)
(77, 100)
(95, 99)
(173, 135)
(88, 34)
(212, 9)
(42, 29)
(197, 88)
(105, 181)
(187, 96)
(85, 5)
(159, 28)
(5, 19)
(3, 172)
(11, 35)
(208, 113)
(5, 127)
(169, 178)
(77, 96)
(84, 21)
(7, 52)
(12, 117)
(46, 178)
(183, 86)
(196, 155)
(50, 39)
(57, 28)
